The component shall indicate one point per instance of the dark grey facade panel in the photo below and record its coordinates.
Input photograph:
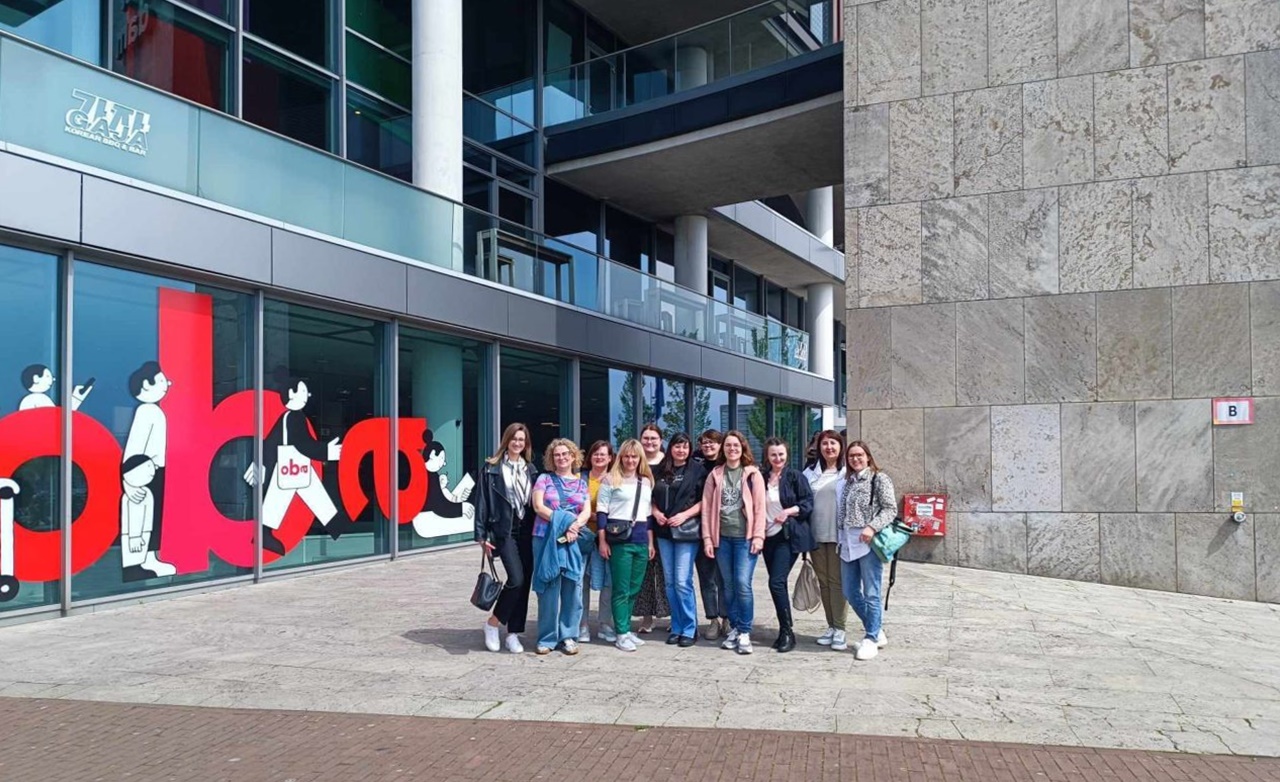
(797, 386)
(302, 263)
(446, 299)
(128, 220)
(39, 198)
(618, 342)
(722, 369)
(679, 356)
(759, 376)
(572, 329)
(532, 320)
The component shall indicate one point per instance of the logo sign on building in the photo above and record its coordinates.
(1229, 411)
(109, 123)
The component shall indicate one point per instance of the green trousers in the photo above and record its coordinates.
(627, 563)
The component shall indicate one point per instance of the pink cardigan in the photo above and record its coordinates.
(754, 495)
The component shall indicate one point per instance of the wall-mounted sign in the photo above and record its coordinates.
(1228, 411)
(109, 123)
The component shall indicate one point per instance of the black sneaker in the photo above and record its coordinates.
(686, 641)
(673, 639)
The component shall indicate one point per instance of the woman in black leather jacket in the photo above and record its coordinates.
(789, 501)
(504, 526)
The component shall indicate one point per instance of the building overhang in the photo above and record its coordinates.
(767, 243)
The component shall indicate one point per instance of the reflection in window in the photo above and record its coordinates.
(790, 424)
(161, 356)
(70, 26)
(665, 403)
(324, 370)
(378, 71)
(608, 404)
(710, 409)
(176, 51)
(301, 26)
(534, 392)
(384, 21)
(282, 96)
(29, 367)
(379, 136)
(752, 419)
(442, 380)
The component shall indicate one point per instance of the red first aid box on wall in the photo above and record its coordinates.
(926, 513)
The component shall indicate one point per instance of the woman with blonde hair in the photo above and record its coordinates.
(563, 505)
(504, 526)
(622, 516)
(733, 530)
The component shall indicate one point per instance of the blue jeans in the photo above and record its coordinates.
(559, 612)
(737, 566)
(861, 581)
(677, 567)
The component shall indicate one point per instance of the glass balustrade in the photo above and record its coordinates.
(53, 105)
(757, 37)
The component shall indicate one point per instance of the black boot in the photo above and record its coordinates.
(786, 638)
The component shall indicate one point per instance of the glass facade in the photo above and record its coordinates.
(608, 409)
(170, 48)
(70, 26)
(711, 409)
(534, 391)
(751, 417)
(666, 403)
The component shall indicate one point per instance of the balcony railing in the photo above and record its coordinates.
(53, 105)
(765, 34)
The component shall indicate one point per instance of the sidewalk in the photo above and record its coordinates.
(972, 655)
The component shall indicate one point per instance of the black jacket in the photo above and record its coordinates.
(794, 489)
(497, 516)
(688, 494)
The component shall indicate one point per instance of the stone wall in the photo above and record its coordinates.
(1062, 240)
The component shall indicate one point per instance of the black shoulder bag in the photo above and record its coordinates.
(487, 584)
(619, 530)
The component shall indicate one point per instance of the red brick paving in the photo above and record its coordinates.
(82, 741)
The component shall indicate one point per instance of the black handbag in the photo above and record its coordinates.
(691, 530)
(619, 530)
(488, 586)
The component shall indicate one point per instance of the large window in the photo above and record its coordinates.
(324, 377)
(167, 429)
(608, 404)
(288, 98)
(628, 240)
(379, 135)
(442, 397)
(790, 422)
(535, 391)
(174, 50)
(301, 26)
(30, 546)
(710, 409)
(752, 419)
(665, 403)
(70, 26)
(385, 22)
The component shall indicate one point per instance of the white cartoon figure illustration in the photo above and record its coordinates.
(144, 486)
(447, 512)
(8, 583)
(289, 449)
(137, 516)
(38, 379)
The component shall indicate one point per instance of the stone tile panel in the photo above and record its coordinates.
(1264, 316)
(1132, 111)
(850, 33)
(921, 148)
(1211, 341)
(1098, 468)
(957, 456)
(1175, 455)
(1135, 345)
(1138, 550)
(990, 353)
(866, 155)
(1026, 458)
(868, 358)
(1162, 31)
(988, 128)
(888, 51)
(993, 541)
(1206, 114)
(1234, 26)
(889, 255)
(1061, 348)
(1023, 40)
(1262, 87)
(896, 438)
(1024, 243)
(1091, 36)
(851, 259)
(1063, 545)
(954, 45)
(1215, 556)
(1244, 224)
(1097, 237)
(1058, 120)
(924, 355)
(1247, 459)
(1266, 542)
(1170, 231)
(953, 260)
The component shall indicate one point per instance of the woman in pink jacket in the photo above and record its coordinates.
(733, 527)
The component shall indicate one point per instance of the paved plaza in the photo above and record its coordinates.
(972, 655)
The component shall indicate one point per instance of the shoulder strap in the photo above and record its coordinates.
(284, 427)
(635, 506)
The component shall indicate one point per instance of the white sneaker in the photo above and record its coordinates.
(866, 649)
(731, 640)
(492, 638)
(608, 634)
(625, 643)
(839, 641)
(570, 646)
(744, 643)
(635, 639)
(825, 638)
(584, 635)
(881, 641)
(513, 644)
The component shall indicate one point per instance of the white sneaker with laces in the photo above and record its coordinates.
(825, 638)
(513, 644)
(584, 635)
(608, 634)
(731, 640)
(839, 641)
(866, 649)
(635, 639)
(492, 637)
(625, 643)
(744, 643)
(881, 641)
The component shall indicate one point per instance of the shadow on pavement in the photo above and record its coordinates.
(450, 639)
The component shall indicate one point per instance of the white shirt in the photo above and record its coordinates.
(773, 507)
(149, 434)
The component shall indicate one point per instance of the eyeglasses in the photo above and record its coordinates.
(857, 456)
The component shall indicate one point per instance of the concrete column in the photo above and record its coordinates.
(437, 96)
(693, 67)
(691, 252)
(820, 323)
(819, 213)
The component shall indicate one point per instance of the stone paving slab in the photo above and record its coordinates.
(973, 655)
(74, 741)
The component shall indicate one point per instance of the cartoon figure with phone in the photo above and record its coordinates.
(38, 380)
(447, 511)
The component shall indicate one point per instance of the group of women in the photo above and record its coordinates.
(595, 522)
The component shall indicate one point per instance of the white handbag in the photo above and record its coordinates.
(293, 470)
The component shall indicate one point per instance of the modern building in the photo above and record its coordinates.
(280, 271)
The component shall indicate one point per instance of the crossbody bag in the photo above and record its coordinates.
(619, 530)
